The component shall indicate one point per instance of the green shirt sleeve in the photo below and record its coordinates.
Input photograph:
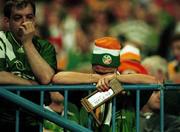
(47, 51)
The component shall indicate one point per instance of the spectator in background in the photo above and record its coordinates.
(130, 59)
(25, 59)
(57, 106)
(156, 66)
(75, 42)
(130, 27)
(173, 27)
(100, 25)
(52, 29)
(150, 119)
(174, 65)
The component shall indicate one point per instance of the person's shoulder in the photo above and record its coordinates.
(2, 31)
(4, 37)
(40, 42)
(2, 34)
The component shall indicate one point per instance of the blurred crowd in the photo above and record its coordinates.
(72, 26)
(149, 36)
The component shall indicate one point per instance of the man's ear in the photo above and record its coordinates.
(5, 23)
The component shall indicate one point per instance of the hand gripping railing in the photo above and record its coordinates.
(74, 127)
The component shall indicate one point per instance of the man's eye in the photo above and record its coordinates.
(17, 18)
(30, 17)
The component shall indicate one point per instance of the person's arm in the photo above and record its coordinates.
(75, 78)
(137, 78)
(103, 83)
(41, 69)
(9, 78)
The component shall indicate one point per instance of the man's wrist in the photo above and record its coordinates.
(27, 42)
(95, 77)
(28, 45)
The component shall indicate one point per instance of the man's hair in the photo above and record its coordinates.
(19, 4)
(156, 63)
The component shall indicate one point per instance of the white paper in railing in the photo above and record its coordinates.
(99, 97)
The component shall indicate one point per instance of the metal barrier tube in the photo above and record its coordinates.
(171, 86)
(114, 115)
(65, 103)
(161, 110)
(78, 87)
(137, 110)
(67, 88)
(41, 104)
(49, 87)
(51, 116)
(17, 116)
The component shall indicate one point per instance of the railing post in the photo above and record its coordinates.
(17, 116)
(138, 89)
(51, 116)
(114, 114)
(162, 109)
(65, 103)
(137, 110)
(41, 104)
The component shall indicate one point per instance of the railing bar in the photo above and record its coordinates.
(114, 115)
(88, 87)
(65, 103)
(17, 116)
(51, 116)
(42, 98)
(137, 110)
(41, 104)
(161, 110)
(92, 87)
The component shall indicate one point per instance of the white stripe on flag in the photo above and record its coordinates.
(129, 48)
(100, 50)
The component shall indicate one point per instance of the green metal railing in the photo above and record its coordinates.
(62, 121)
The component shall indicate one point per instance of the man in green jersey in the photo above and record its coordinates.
(25, 59)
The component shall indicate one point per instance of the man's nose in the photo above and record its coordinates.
(24, 19)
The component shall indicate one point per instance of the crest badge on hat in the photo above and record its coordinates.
(107, 59)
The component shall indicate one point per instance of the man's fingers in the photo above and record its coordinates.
(98, 86)
(106, 81)
(22, 29)
(29, 26)
(102, 85)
